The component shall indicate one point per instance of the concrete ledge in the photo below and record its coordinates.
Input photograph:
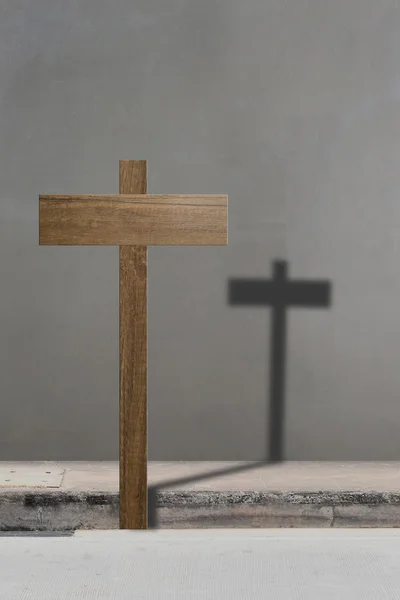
(55, 496)
(244, 516)
(274, 509)
(59, 510)
(384, 515)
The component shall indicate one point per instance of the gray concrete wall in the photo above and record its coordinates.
(293, 109)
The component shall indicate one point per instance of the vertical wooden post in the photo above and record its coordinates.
(133, 364)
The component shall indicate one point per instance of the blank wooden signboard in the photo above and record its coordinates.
(133, 220)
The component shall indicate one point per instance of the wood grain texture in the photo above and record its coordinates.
(133, 365)
(189, 220)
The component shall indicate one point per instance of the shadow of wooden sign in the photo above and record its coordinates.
(279, 293)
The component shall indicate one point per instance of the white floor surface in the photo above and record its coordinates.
(210, 564)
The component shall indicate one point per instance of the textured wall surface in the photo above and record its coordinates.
(293, 109)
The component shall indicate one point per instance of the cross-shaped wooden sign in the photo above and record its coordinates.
(133, 220)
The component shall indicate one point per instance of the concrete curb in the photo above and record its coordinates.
(180, 498)
(66, 510)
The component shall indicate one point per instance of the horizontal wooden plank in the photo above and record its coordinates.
(144, 219)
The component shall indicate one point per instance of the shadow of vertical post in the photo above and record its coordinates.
(280, 294)
(277, 378)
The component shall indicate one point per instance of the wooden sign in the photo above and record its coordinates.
(133, 220)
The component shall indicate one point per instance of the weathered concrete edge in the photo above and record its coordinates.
(323, 498)
(176, 498)
(173, 499)
(44, 497)
(63, 510)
